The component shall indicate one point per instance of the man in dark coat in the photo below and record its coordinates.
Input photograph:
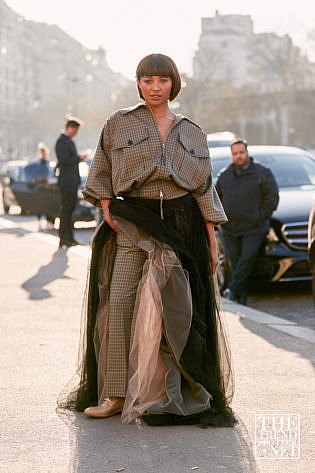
(68, 179)
(249, 194)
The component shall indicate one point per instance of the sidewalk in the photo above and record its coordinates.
(41, 293)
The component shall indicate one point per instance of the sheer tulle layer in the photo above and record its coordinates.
(163, 308)
(180, 369)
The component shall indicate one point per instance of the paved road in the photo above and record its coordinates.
(291, 301)
(40, 300)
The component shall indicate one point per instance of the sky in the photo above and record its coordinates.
(130, 29)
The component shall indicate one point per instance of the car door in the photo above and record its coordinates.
(37, 195)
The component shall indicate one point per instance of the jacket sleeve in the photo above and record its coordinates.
(209, 203)
(270, 195)
(65, 155)
(99, 182)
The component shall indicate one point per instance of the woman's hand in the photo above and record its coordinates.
(213, 247)
(107, 216)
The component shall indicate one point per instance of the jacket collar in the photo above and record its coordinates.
(248, 169)
(179, 117)
(124, 111)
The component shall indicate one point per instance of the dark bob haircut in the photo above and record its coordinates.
(160, 65)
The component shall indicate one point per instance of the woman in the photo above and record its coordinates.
(153, 343)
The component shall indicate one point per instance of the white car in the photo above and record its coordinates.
(220, 139)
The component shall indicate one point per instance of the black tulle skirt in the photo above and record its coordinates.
(206, 356)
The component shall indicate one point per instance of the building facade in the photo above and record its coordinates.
(45, 75)
(253, 84)
(222, 53)
(229, 51)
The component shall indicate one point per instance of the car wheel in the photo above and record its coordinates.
(223, 270)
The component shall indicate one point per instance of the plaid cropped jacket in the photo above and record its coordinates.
(131, 155)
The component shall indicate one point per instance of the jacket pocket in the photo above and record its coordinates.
(192, 162)
(130, 153)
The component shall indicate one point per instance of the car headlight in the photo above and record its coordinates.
(271, 236)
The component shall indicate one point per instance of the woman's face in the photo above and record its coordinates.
(156, 90)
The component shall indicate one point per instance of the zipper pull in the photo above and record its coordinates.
(163, 154)
(161, 205)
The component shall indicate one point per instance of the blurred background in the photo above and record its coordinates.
(247, 69)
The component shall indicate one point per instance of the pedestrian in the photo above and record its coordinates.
(249, 194)
(38, 172)
(153, 342)
(68, 179)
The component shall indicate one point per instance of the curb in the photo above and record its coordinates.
(263, 318)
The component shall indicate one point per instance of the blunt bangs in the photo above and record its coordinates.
(160, 65)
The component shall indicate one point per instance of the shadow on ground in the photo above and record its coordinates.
(105, 445)
(282, 340)
(55, 269)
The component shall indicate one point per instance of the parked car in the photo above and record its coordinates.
(10, 171)
(40, 196)
(220, 139)
(284, 254)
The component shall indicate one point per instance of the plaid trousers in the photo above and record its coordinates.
(127, 272)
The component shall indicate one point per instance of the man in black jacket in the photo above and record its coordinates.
(249, 194)
(68, 179)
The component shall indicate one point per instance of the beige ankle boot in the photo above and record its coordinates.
(108, 408)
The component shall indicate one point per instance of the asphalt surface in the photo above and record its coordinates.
(41, 294)
(292, 301)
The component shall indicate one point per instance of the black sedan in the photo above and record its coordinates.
(39, 196)
(284, 254)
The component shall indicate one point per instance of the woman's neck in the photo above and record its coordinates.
(161, 112)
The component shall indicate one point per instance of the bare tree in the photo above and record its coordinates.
(280, 68)
(278, 64)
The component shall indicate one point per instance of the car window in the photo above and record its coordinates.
(290, 170)
(310, 169)
(13, 169)
(219, 144)
(16, 173)
(219, 164)
(220, 139)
